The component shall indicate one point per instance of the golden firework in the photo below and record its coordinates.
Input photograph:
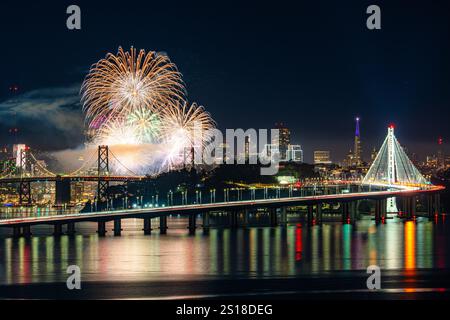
(123, 83)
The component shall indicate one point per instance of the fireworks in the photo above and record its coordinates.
(138, 100)
(116, 133)
(146, 125)
(123, 83)
(184, 128)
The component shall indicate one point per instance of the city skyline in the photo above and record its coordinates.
(338, 156)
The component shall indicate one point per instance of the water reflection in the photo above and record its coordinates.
(252, 252)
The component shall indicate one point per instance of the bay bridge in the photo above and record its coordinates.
(24, 176)
(392, 186)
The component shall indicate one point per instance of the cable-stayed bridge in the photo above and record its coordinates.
(392, 168)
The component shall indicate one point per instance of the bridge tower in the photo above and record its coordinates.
(24, 186)
(24, 192)
(391, 202)
(103, 170)
(392, 167)
(24, 162)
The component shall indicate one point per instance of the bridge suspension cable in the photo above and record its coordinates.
(40, 166)
(125, 167)
(84, 165)
(392, 166)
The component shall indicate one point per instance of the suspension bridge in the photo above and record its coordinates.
(30, 170)
(392, 185)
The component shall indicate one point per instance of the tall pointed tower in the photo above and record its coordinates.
(357, 157)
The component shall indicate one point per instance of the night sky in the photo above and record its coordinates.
(310, 64)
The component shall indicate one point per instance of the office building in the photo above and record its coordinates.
(322, 157)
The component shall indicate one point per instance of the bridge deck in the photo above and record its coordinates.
(198, 208)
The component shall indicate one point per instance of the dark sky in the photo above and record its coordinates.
(311, 64)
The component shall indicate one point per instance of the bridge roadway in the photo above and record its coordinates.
(193, 209)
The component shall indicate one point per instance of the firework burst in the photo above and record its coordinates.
(146, 124)
(184, 128)
(122, 83)
(116, 133)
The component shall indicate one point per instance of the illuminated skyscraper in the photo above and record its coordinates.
(357, 157)
(295, 153)
(247, 148)
(373, 155)
(284, 139)
(440, 155)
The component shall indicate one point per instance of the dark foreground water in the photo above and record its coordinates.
(296, 261)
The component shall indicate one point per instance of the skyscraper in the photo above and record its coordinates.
(373, 155)
(247, 148)
(440, 155)
(295, 153)
(284, 139)
(322, 157)
(357, 157)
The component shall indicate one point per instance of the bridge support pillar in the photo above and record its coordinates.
(17, 232)
(70, 228)
(233, 218)
(283, 216)
(117, 227)
(205, 217)
(57, 229)
(163, 224)
(345, 213)
(273, 217)
(319, 213)
(245, 218)
(413, 206)
(379, 203)
(437, 204)
(192, 223)
(377, 211)
(310, 215)
(101, 228)
(430, 207)
(147, 226)
(404, 207)
(357, 214)
(26, 231)
(409, 207)
(62, 191)
(352, 212)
